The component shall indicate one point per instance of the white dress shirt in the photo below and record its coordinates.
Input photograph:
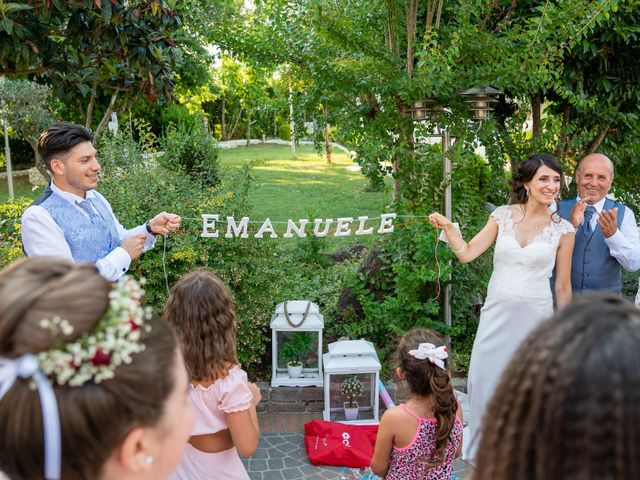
(624, 244)
(41, 236)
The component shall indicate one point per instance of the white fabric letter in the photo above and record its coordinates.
(343, 227)
(316, 227)
(237, 228)
(292, 227)
(209, 221)
(266, 227)
(386, 222)
(361, 230)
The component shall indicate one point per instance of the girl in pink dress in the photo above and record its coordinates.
(200, 310)
(420, 439)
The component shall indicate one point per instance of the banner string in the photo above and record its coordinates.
(277, 222)
(417, 219)
(436, 265)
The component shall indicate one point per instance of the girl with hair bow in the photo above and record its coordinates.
(428, 428)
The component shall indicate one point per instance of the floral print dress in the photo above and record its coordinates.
(408, 463)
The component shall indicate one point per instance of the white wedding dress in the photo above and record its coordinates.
(518, 300)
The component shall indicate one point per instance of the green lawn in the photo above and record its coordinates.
(21, 188)
(304, 187)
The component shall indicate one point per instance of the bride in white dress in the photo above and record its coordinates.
(530, 242)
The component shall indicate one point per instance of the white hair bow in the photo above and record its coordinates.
(436, 355)
(26, 366)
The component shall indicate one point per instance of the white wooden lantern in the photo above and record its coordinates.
(351, 374)
(296, 335)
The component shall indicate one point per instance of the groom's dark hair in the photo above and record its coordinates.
(59, 138)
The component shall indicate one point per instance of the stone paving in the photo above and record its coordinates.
(282, 456)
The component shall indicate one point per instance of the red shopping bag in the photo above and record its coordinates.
(339, 444)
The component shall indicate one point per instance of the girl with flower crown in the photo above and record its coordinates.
(420, 439)
(91, 386)
(200, 310)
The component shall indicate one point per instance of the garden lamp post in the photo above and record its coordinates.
(7, 150)
(479, 100)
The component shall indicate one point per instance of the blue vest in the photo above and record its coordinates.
(89, 239)
(592, 266)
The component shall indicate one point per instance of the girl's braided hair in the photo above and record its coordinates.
(568, 405)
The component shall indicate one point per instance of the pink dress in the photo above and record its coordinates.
(211, 404)
(407, 463)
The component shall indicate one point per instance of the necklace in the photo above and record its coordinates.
(304, 315)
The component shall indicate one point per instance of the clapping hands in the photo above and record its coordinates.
(577, 214)
(608, 222)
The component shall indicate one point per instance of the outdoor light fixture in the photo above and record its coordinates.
(424, 109)
(480, 100)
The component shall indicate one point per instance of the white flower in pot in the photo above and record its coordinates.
(351, 387)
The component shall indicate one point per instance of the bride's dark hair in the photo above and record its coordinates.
(526, 172)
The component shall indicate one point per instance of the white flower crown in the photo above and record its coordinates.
(96, 354)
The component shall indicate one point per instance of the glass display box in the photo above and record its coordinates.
(351, 373)
(296, 336)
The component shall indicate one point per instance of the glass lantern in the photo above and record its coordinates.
(296, 339)
(351, 373)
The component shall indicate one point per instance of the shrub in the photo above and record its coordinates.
(398, 291)
(138, 191)
(296, 348)
(192, 150)
(10, 241)
(284, 131)
(306, 273)
(177, 114)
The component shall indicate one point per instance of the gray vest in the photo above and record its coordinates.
(592, 266)
(89, 239)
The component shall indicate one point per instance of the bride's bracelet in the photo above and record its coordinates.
(464, 245)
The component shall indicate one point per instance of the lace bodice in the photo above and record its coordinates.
(524, 271)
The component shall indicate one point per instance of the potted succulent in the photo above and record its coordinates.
(295, 350)
(351, 387)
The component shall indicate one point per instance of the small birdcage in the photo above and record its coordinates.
(351, 374)
(296, 334)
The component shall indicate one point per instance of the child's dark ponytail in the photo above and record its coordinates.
(425, 378)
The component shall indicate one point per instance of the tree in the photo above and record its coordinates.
(29, 109)
(368, 60)
(243, 93)
(93, 52)
(599, 91)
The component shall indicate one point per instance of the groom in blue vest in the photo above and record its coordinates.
(606, 231)
(72, 220)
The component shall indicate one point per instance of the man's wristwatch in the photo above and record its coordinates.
(149, 231)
